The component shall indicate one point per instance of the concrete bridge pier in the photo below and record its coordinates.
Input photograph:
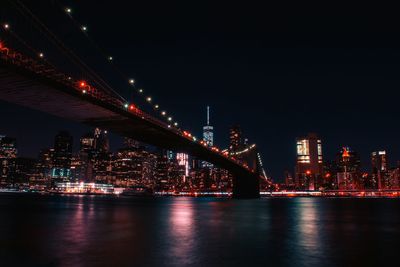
(245, 185)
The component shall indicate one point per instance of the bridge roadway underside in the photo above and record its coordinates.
(28, 89)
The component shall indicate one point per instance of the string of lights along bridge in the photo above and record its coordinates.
(94, 88)
(86, 88)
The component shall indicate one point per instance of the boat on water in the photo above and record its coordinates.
(138, 191)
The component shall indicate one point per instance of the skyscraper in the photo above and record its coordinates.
(348, 176)
(101, 141)
(379, 164)
(62, 156)
(235, 138)
(379, 161)
(183, 160)
(8, 152)
(309, 162)
(8, 147)
(208, 130)
(208, 136)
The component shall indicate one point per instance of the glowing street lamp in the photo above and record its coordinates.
(131, 81)
(110, 58)
(68, 10)
(163, 113)
(156, 106)
(41, 55)
(148, 99)
(6, 26)
(84, 28)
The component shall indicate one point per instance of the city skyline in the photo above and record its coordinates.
(199, 133)
(303, 147)
(285, 86)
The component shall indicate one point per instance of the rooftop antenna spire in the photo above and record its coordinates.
(208, 115)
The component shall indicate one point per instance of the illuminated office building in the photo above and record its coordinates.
(235, 138)
(379, 164)
(208, 136)
(309, 162)
(62, 157)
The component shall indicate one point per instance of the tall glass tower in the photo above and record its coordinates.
(208, 130)
(208, 136)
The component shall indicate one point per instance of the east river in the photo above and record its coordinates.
(114, 231)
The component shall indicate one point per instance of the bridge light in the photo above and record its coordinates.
(82, 84)
(156, 106)
(84, 91)
(163, 113)
(132, 81)
(126, 105)
(84, 28)
(110, 58)
(41, 55)
(68, 10)
(194, 139)
(140, 90)
(132, 107)
(6, 26)
(148, 99)
(169, 126)
(169, 118)
(175, 124)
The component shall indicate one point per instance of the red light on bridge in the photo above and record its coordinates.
(82, 84)
(132, 107)
(308, 172)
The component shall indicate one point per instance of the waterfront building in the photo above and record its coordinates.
(348, 164)
(8, 152)
(309, 163)
(61, 170)
(379, 169)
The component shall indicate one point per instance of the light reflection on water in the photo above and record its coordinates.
(99, 231)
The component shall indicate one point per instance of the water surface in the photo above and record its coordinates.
(103, 231)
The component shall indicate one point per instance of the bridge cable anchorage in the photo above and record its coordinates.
(110, 59)
(64, 49)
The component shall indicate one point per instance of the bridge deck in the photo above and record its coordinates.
(25, 88)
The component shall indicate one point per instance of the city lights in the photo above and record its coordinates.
(68, 10)
(131, 81)
(84, 28)
(6, 26)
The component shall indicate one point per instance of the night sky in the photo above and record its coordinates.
(278, 71)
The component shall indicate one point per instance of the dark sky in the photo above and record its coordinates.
(278, 71)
